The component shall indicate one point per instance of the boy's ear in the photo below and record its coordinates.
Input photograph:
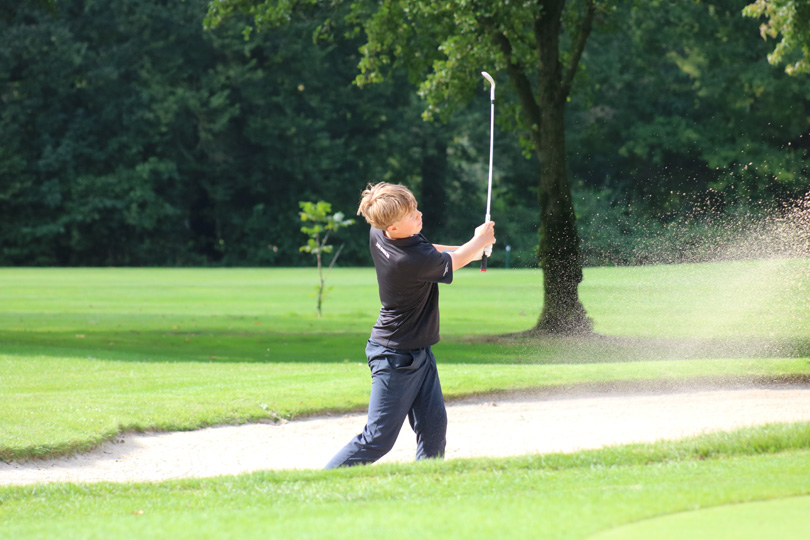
(391, 231)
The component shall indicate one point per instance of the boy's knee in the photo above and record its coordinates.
(380, 439)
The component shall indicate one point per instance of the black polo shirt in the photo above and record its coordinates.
(408, 273)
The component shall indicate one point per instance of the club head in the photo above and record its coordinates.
(488, 77)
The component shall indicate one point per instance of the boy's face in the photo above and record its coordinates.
(407, 226)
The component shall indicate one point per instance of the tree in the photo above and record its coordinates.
(445, 44)
(323, 224)
(684, 105)
(791, 20)
(131, 136)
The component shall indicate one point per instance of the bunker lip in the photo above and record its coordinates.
(549, 420)
(560, 391)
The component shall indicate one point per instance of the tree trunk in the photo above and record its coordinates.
(433, 198)
(559, 252)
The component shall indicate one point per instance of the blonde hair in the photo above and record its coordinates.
(384, 204)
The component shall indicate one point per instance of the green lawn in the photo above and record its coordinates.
(786, 519)
(86, 353)
(554, 497)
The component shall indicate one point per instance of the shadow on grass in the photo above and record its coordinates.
(275, 347)
(198, 346)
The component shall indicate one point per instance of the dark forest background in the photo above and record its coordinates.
(129, 136)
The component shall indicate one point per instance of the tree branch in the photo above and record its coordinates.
(523, 87)
(331, 264)
(578, 46)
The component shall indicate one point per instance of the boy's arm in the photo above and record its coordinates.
(484, 236)
(449, 249)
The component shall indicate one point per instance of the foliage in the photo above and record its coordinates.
(130, 136)
(323, 225)
(685, 124)
(789, 19)
(444, 45)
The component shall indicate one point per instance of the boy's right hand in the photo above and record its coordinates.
(483, 238)
(485, 233)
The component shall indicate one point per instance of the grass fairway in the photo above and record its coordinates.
(554, 497)
(786, 519)
(87, 353)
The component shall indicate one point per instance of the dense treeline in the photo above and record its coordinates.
(130, 136)
(688, 132)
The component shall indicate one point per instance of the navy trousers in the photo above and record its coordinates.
(404, 383)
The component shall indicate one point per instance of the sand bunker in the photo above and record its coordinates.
(508, 425)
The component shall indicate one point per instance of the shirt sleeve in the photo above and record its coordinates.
(436, 267)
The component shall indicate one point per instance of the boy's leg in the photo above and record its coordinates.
(428, 416)
(396, 377)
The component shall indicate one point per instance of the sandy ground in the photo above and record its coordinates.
(506, 425)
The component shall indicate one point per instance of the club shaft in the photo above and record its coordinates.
(491, 147)
(489, 180)
(491, 151)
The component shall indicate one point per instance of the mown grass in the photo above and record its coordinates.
(88, 353)
(554, 496)
(784, 518)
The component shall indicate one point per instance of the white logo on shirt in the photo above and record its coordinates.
(387, 256)
(445, 269)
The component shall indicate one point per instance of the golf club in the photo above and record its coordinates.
(487, 76)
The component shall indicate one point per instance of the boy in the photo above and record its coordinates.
(404, 380)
